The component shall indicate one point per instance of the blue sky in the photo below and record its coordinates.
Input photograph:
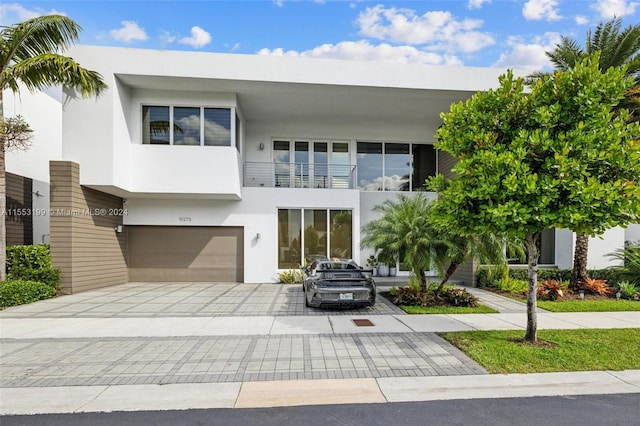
(500, 33)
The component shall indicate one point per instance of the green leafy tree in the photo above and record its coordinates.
(557, 157)
(30, 55)
(617, 47)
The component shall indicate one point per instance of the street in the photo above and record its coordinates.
(616, 409)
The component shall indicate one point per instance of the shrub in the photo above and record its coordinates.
(552, 289)
(459, 297)
(485, 277)
(290, 276)
(19, 292)
(511, 285)
(630, 272)
(598, 287)
(628, 290)
(32, 263)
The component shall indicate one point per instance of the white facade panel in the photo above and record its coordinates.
(162, 169)
(256, 213)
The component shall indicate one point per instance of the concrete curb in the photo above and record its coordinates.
(77, 399)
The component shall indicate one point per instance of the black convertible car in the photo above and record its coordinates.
(339, 284)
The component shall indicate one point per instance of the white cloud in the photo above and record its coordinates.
(439, 29)
(536, 10)
(581, 20)
(199, 38)
(129, 31)
(477, 4)
(609, 9)
(167, 38)
(365, 51)
(14, 13)
(529, 55)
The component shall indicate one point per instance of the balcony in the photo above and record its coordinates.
(299, 175)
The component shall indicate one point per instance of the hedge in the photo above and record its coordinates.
(32, 263)
(484, 277)
(19, 292)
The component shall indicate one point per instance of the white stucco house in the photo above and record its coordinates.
(224, 167)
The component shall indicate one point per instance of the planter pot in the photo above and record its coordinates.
(393, 270)
(383, 270)
(374, 271)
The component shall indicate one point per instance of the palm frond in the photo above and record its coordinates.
(52, 69)
(37, 36)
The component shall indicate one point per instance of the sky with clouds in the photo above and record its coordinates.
(491, 33)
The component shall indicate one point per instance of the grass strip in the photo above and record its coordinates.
(603, 305)
(561, 350)
(480, 309)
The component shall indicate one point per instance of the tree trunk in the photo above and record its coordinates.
(423, 280)
(3, 201)
(531, 243)
(579, 273)
(450, 271)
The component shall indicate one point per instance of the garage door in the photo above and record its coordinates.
(186, 253)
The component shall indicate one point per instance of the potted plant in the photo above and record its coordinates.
(372, 262)
(393, 267)
(384, 258)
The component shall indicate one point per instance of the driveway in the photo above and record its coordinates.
(186, 300)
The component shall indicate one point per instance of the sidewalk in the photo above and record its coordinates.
(115, 362)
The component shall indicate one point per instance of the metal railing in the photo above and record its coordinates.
(299, 175)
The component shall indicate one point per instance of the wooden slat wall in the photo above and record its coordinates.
(19, 217)
(84, 244)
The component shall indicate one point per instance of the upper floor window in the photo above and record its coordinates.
(385, 166)
(173, 125)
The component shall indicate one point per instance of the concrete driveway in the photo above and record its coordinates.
(186, 300)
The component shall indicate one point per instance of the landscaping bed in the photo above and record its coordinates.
(450, 301)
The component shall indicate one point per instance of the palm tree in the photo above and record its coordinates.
(404, 231)
(30, 55)
(617, 47)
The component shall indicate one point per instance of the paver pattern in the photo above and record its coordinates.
(186, 300)
(207, 359)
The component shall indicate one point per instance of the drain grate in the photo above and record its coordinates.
(363, 323)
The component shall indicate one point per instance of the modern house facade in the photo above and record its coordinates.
(217, 167)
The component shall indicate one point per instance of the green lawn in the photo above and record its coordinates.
(595, 305)
(572, 350)
(480, 309)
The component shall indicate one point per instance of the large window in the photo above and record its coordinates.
(386, 166)
(178, 125)
(326, 233)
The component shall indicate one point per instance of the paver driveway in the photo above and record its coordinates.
(186, 299)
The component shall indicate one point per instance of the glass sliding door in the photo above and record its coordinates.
(369, 166)
(315, 233)
(282, 163)
(301, 166)
(424, 165)
(340, 169)
(340, 239)
(397, 162)
(289, 238)
(320, 165)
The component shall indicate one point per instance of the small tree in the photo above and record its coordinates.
(556, 157)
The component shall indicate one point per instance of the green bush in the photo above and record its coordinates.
(628, 290)
(449, 296)
(19, 292)
(290, 276)
(32, 263)
(512, 285)
(485, 278)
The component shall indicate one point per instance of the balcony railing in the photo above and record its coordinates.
(299, 175)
